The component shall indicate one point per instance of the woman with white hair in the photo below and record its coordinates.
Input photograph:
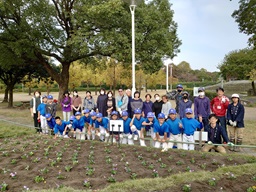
(235, 119)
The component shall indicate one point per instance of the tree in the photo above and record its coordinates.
(252, 76)
(246, 18)
(71, 30)
(237, 64)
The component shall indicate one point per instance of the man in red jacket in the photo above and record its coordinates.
(219, 107)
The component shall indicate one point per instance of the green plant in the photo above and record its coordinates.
(53, 163)
(13, 161)
(140, 157)
(27, 167)
(231, 176)
(162, 165)
(87, 183)
(36, 160)
(68, 168)
(155, 173)
(179, 162)
(3, 186)
(89, 170)
(186, 188)
(144, 163)
(107, 150)
(111, 179)
(38, 179)
(24, 156)
(230, 159)
(44, 170)
(13, 175)
(203, 166)
(31, 153)
(204, 155)
(169, 170)
(212, 182)
(151, 166)
(133, 176)
(251, 189)
(192, 160)
(60, 176)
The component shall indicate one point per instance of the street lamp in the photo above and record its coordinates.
(132, 9)
(171, 77)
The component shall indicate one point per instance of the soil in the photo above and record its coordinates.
(27, 156)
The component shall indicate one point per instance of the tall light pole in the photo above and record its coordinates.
(132, 9)
(171, 77)
(167, 78)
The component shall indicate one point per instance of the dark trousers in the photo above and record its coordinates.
(37, 124)
(222, 122)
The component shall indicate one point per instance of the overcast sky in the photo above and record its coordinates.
(207, 31)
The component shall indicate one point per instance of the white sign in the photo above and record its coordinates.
(116, 125)
(195, 91)
(204, 136)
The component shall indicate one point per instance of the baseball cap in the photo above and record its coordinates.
(93, 113)
(150, 114)
(172, 111)
(235, 95)
(114, 113)
(124, 113)
(48, 115)
(200, 89)
(86, 111)
(137, 111)
(44, 96)
(50, 97)
(179, 86)
(161, 116)
(185, 93)
(77, 113)
(72, 118)
(188, 110)
(99, 115)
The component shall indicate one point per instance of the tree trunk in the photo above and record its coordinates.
(10, 103)
(29, 91)
(63, 83)
(146, 86)
(6, 91)
(253, 88)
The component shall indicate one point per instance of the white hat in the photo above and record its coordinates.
(235, 95)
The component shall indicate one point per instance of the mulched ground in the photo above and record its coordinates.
(42, 157)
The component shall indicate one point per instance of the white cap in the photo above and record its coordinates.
(235, 95)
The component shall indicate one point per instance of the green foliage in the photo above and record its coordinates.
(8, 130)
(246, 18)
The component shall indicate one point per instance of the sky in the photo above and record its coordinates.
(208, 32)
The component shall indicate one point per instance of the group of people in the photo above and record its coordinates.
(165, 124)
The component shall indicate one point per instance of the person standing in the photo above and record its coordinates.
(235, 118)
(157, 105)
(129, 95)
(66, 106)
(50, 107)
(34, 103)
(101, 101)
(178, 97)
(89, 101)
(184, 103)
(41, 115)
(121, 101)
(147, 105)
(136, 102)
(219, 106)
(202, 107)
(110, 104)
(76, 102)
(166, 106)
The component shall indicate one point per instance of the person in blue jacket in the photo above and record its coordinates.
(127, 134)
(149, 121)
(41, 115)
(87, 120)
(50, 122)
(92, 124)
(102, 124)
(68, 129)
(59, 127)
(161, 130)
(175, 129)
(136, 126)
(184, 103)
(78, 126)
(190, 125)
(235, 119)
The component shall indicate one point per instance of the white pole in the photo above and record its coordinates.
(167, 79)
(171, 77)
(132, 9)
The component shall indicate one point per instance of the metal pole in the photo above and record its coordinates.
(171, 77)
(132, 9)
(167, 79)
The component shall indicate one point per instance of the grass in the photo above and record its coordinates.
(10, 130)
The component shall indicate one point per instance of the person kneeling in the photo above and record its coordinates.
(215, 132)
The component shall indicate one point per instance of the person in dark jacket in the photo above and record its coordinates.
(157, 105)
(101, 101)
(202, 107)
(110, 104)
(215, 135)
(235, 119)
(178, 97)
(184, 103)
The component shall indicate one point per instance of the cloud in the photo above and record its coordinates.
(207, 31)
